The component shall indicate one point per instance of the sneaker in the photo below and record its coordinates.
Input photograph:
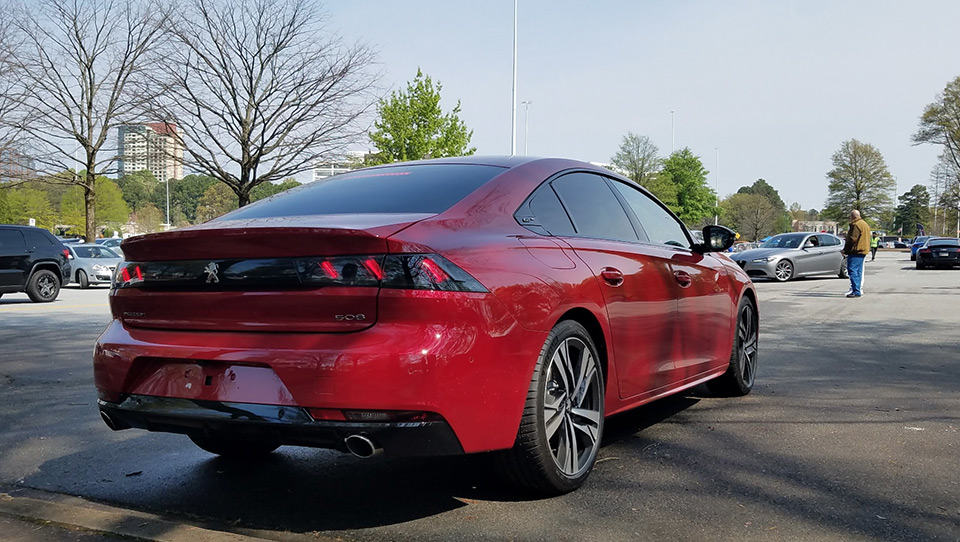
(854, 295)
(848, 293)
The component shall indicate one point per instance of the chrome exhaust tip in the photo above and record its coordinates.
(111, 423)
(362, 446)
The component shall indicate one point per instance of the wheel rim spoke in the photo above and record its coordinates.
(571, 406)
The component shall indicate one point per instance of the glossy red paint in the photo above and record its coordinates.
(661, 317)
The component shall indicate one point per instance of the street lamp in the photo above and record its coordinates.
(716, 217)
(673, 134)
(513, 121)
(526, 116)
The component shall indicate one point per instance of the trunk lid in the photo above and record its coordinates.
(257, 275)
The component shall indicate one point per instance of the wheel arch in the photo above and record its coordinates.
(590, 322)
(53, 267)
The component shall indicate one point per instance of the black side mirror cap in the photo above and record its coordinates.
(716, 239)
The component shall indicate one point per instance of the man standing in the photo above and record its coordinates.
(856, 249)
(874, 245)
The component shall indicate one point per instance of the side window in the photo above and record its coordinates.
(11, 240)
(595, 210)
(36, 239)
(660, 226)
(828, 240)
(549, 212)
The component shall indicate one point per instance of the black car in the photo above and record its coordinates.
(939, 252)
(32, 260)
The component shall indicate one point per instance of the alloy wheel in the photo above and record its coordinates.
(747, 337)
(572, 407)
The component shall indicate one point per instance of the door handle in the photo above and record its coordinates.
(683, 278)
(612, 276)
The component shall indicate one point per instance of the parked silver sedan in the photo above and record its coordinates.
(791, 255)
(92, 264)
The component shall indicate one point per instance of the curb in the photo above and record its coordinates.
(76, 512)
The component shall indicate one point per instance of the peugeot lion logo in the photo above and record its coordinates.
(211, 271)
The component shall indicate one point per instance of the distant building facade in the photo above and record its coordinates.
(351, 161)
(15, 165)
(153, 147)
(828, 226)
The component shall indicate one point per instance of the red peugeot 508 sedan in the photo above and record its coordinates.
(438, 307)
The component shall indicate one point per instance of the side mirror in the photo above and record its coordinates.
(717, 239)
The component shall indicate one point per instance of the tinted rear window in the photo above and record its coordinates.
(943, 243)
(432, 188)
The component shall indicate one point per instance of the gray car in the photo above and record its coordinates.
(92, 264)
(791, 255)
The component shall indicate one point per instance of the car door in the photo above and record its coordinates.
(831, 246)
(635, 279)
(704, 306)
(807, 256)
(13, 258)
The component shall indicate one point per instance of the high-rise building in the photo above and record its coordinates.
(154, 147)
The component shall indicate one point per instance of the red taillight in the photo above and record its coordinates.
(66, 254)
(394, 271)
(925, 251)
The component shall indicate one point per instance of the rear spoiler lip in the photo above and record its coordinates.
(272, 238)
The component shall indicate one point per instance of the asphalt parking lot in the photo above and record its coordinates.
(852, 433)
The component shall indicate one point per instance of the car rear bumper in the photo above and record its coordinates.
(281, 424)
(463, 358)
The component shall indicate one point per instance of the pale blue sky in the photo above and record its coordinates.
(777, 86)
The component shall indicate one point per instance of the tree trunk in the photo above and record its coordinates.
(89, 197)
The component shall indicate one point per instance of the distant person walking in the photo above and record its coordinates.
(856, 249)
(874, 245)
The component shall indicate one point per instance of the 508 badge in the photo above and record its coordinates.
(347, 317)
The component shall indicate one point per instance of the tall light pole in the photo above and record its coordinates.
(166, 183)
(526, 116)
(716, 217)
(673, 134)
(513, 120)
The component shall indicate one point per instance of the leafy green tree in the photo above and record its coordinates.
(940, 123)
(695, 199)
(149, 218)
(110, 208)
(26, 203)
(185, 195)
(914, 209)
(637, 158)
(137, 188)
(412, 126)
(266, 190)
(762, 188)
(754, 216)
(859, 180)
(216, 201)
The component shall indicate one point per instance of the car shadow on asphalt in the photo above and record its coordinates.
(301, 489)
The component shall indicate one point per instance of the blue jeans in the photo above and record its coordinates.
(855, 270)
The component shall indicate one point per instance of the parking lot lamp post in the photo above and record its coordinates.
(526, 116)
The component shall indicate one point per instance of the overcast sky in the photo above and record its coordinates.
(773, 87)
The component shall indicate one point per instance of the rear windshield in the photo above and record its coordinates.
(943, 243)
(431, 188)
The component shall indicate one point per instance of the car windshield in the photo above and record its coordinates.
(786, 240)
(94, 252)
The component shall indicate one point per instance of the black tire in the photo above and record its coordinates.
(784, 271)
(843, 269)
(82, 279)
(560, 432)
(913, 257)
(741, 373)
(43, 286)
(234, 447)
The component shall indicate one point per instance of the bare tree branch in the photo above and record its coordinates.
(75, 59)
(259, 90)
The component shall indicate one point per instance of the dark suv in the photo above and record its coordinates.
(32, 260)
